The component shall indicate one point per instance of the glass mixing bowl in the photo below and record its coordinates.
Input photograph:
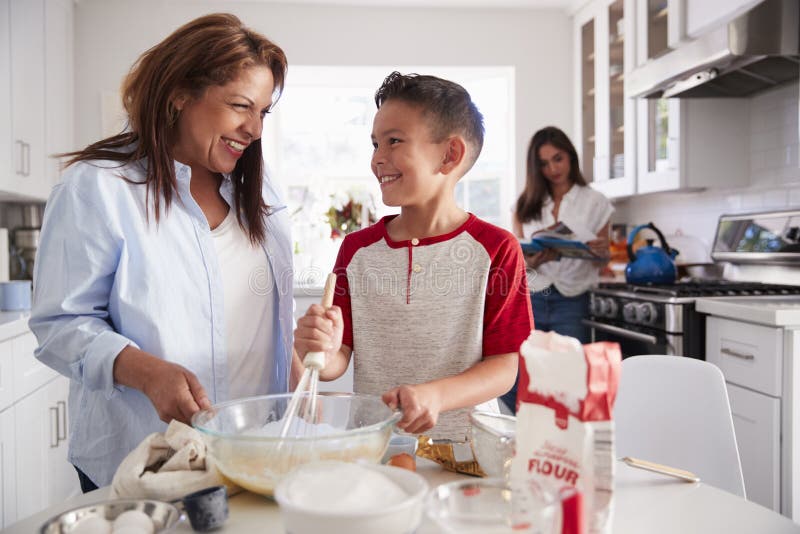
(493, 440)
(484, 506)
(243, 435)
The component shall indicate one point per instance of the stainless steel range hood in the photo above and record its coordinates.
(757, 51)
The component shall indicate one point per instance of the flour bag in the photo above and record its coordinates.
(565, 435)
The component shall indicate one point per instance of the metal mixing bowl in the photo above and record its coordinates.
(358, 428)
(492, 437)
(164, 515)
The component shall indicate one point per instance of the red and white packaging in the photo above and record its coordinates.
(565, 435)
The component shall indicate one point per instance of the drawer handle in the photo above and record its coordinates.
(735, 354)
(20, 171)
(62, 421)
(53, 426)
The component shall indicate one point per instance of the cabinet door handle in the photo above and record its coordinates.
(735, 354)
(20, 170)
(27, 159)
(62, 422)
(53, 423)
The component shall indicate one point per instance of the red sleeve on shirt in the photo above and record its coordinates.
(507, 316)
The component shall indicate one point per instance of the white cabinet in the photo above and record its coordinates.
(44, 475)
(705, 15)
(661, 27)
(605, 119)
(6, 170)
(690, 144)
(757, 422)
(758, 362)
(34, 471)
(684, 143)
(27, 94)
(36, 58)
(8, 472)
(62, 479)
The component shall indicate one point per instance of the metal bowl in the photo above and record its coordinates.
(164, 515)
(358, 428)
(493, 437)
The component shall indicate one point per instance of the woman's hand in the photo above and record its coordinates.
(600, 246)
(319, 330)
(421, 405)
(175, 393)
(174, 390)
(535, 260)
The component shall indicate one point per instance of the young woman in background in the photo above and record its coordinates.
(556, 191)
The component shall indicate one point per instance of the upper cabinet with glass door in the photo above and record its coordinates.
(659, 25)
(605, 120)
(683, 143)
(585, 23)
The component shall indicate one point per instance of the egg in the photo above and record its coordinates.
(404, 460)
(137, 519)
(92, 525)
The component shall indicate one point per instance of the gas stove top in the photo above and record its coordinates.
(667, 307)
(701, 288)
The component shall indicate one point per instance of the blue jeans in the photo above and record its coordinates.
(554, 312)
(86, 483)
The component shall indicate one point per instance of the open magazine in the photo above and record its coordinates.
(568, 243)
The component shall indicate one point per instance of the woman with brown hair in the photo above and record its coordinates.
(556, 192)
(163, 281)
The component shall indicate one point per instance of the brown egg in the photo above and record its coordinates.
(404, 460)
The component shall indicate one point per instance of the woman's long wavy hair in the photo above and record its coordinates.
(211, 50)
(537, 187)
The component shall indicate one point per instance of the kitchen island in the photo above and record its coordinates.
(643, 502)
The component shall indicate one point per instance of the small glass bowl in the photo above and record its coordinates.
(485, 506)
(493, 439)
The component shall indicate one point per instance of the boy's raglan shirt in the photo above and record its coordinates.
(423, 309)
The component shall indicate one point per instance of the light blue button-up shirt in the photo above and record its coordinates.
(106, 277)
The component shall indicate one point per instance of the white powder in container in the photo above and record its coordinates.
(343, 487)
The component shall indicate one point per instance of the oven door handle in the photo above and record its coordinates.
(622, 332)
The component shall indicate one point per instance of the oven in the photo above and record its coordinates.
(661, 319)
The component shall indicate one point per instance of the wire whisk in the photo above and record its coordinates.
(309, 382)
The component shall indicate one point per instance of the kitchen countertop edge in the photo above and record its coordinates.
(13, 324)
(751, 309)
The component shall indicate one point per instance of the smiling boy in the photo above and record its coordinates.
(432, 303)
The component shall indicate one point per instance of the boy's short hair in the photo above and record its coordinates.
(446, 104)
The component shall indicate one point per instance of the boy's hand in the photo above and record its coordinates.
(420, 404)
(319, 330)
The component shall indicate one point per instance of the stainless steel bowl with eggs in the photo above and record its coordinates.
(121, 516)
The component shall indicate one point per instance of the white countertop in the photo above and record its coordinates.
(643, 502)
(775, 310)
(13, 324)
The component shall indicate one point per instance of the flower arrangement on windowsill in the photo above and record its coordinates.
(350, 211)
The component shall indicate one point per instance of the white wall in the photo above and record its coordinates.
(774, 176)
(110, 35)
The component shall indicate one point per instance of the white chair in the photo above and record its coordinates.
(675, 411)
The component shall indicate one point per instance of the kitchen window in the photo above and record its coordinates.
(318, 148)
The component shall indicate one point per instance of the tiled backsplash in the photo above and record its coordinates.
(774, 176)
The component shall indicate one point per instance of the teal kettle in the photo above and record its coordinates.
(649, 264)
